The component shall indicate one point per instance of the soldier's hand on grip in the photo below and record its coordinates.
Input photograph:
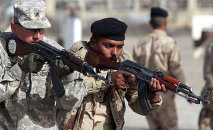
(61, 68)
(31, 63)
(155, 86)
(122, 78)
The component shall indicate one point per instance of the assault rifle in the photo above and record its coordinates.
(50, 54)
(143, 76)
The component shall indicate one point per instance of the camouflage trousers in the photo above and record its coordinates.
(165, 117)
(206, 118)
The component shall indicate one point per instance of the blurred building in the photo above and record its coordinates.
(131, 11)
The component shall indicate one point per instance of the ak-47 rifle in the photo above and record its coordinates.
(50, 54)
(144, 75)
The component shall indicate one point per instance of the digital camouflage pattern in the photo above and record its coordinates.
(158, 51)
(27, 101)
(206, 114)
(31, 13)
(104, 106)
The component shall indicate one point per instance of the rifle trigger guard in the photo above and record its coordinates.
(108, 78)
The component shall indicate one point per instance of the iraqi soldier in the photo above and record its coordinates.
(27, 99)
(206, 114)
(104, 107)
(158, 51)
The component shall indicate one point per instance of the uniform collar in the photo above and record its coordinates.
(159, 31)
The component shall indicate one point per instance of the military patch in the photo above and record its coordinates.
(12, 46)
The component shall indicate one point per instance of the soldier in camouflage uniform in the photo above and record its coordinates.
(104, 107)
(158, 51)
(27, 99)
(206, 114)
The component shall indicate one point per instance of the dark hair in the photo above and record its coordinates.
(157, 21)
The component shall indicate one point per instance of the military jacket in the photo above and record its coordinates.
(104, 100)
(28, 101)
(208, 68)
(158, 51)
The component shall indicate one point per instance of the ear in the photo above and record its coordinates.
(92, 42)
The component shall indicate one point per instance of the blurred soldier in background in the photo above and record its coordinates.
(27, 98)
(158, 51)
(104, 106)
(72, 27)
(206, 114)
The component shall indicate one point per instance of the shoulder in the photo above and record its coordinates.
(145, 40)
(169, 43)
(164, 40)
(6, 35)
(78, 46)
(170, 39)
(79, 49)
(52, 42)
(4, 38)
(125, 56)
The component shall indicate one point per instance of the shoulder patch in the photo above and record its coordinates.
(78, 46)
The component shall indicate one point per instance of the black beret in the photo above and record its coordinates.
(110, 28)
(158, 12)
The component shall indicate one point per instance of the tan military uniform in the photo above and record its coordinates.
(104, 106)
(158, 51)
(206, 115)
(27, 101)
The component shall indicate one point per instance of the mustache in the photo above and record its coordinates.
(113, 58)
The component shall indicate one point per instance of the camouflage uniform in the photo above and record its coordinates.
(104, 106)
(27, 100)
(158, 51)
(206, 114)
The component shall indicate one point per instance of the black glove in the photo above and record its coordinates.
(31, 63)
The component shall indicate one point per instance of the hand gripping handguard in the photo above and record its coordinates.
(144, 74)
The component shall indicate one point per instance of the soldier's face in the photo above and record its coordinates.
(27, 35)
(110, 48)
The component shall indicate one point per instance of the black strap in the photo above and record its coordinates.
(5, 113)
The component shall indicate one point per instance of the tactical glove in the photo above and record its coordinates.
(31, 63)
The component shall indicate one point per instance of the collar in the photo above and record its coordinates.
(160, 32)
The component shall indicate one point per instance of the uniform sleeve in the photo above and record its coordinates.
(208, 66)
(174, 64)
(77, 86)
(95, 85)
(10, 76)
(75, 91)
(137, 51)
